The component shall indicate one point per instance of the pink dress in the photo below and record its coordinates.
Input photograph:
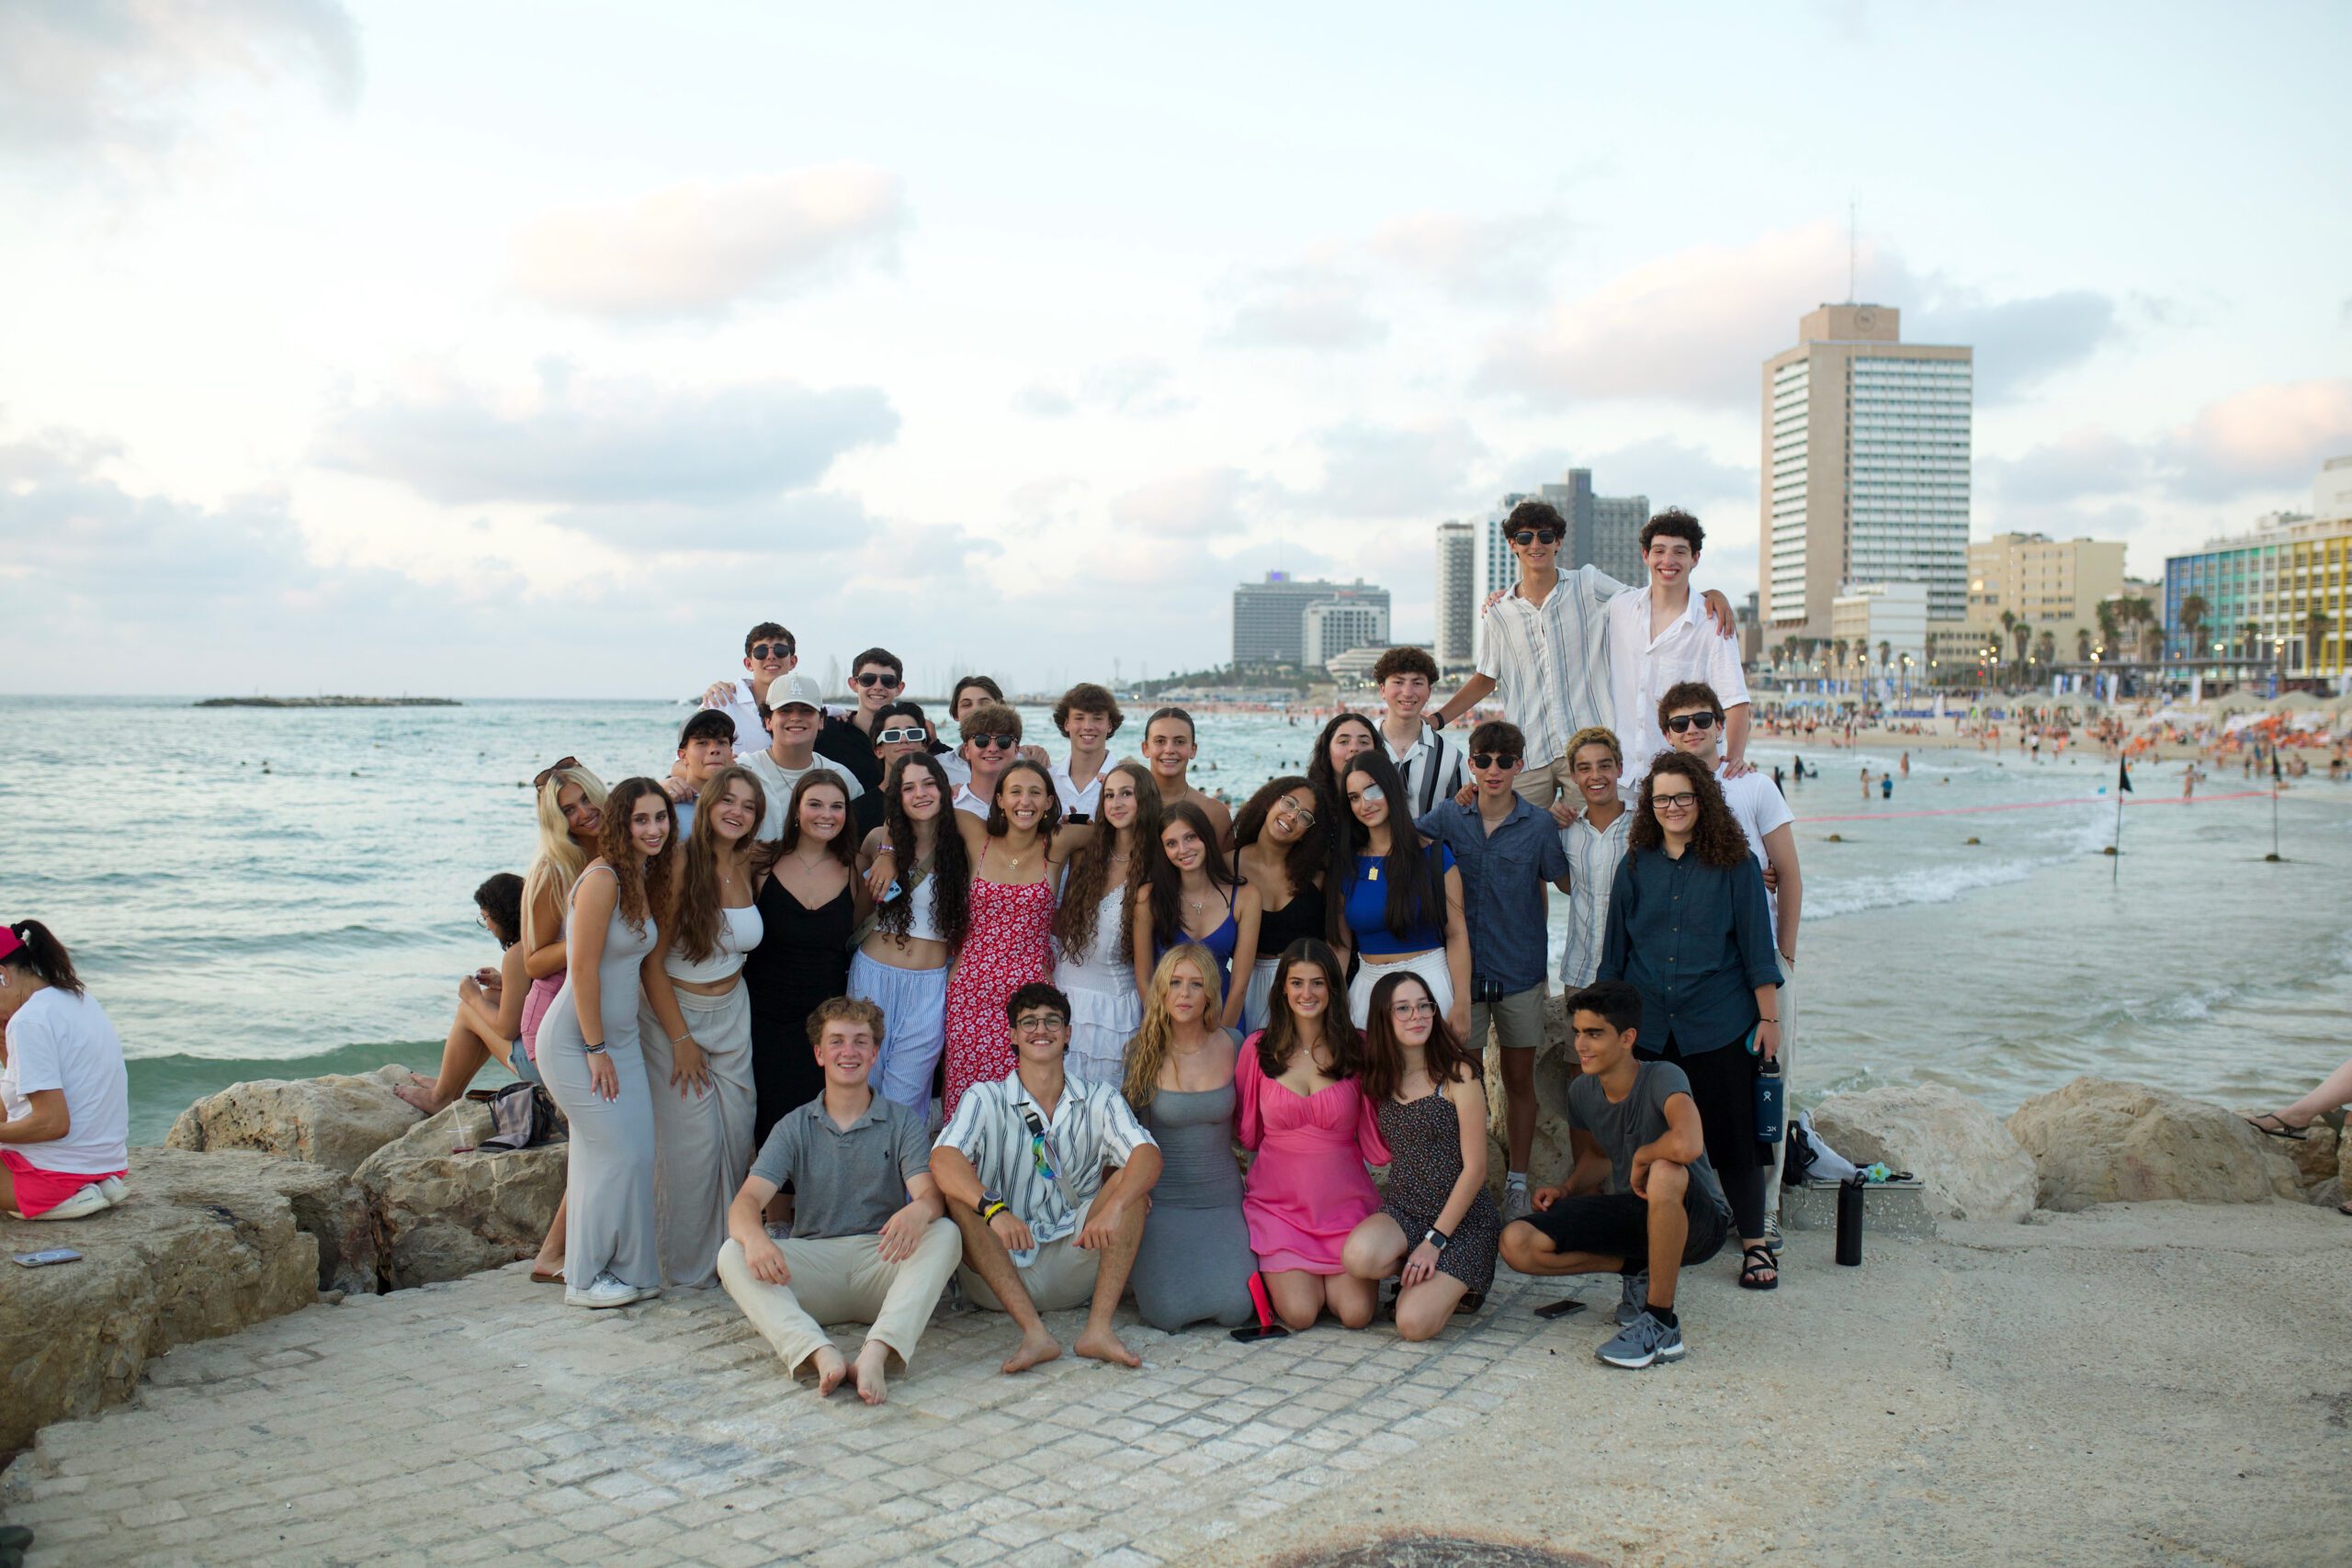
(1009, 944)
(535, 1002)
(1308, 1188)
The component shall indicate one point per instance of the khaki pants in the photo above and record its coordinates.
(1538, 785)
(1061, 1276)
(843, 1279)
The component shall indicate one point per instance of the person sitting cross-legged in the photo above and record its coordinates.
(870, 1242)
(1021, 1164)
(1664, 1207)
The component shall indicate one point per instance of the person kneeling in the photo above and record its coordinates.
(1665, 1207)
(1021, 1164)
(870, 1242)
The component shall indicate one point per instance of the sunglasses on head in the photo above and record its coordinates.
(552, 769)
(994, 742)
(771, 650)
(875, 678)
(896, 736)
(1683, 721)
(1495, 759)
(1536, 536)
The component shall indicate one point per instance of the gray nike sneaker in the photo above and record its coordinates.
(1644, 1342)
(1635, 1299)
(1517, 1205)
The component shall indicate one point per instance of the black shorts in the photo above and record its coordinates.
(1617, 1224)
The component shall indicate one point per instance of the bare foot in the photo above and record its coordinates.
(1101, 1345)
(873, 1360)
(830, 1370)
(1037, 1348)
(419, 1094)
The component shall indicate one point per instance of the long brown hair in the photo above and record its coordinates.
(644, 891)
(44, 957)
(1047, 820)
(951, 863)
(1282, 1038)
(698, 890)
(1166, 883)
(844, 845)
(1384, 1053)
(1147, 1051)
(1089, 876)
(1715, 835)
(1302, 862)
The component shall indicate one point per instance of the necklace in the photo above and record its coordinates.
(1012, 861)
(809, 867)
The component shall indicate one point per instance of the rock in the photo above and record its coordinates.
(329, 1207)
(2314, 1156)
(338, 1121)
(441, 1216)
(1969, 1166)
(2099, 1141)
(204, 1245)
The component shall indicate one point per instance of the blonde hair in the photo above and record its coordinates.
(1147, 1051)
(1594, 735)
(844, 1009)
(560, 860)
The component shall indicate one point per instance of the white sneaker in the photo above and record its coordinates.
(606, 1292)
(114, 1190)
(82, 1205)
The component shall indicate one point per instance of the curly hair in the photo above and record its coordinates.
(1089, 875)
(1447, 1059)
(1715, 834)
(951, 863)
(698, 892)
(845, 1009)
(1304, 860)
(644, 888)
(1147, 1051)
(1281, 1037)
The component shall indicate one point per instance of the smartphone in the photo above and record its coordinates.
(43, 1259)
(1256, 1332)
(1080, 819)
(1560, 1308)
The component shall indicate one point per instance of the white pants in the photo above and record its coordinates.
(843, 1279)
(1430, 966)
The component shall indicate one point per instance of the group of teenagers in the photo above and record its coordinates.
(835, 1013)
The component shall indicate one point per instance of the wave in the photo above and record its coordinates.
(1948, 880)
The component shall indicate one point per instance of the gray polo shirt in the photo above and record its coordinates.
(847, 1183)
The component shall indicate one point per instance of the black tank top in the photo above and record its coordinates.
(1301, 917)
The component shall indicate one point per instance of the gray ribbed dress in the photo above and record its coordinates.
(1194, 1262)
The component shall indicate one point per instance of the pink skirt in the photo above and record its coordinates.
(40, 1190)
(535, 1008)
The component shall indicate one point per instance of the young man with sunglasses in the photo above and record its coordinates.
(1657, 640)
(770, 654)
(1021, 1164)
(991, 733)
(1545, 645)
(794, 714)
(1507, 851)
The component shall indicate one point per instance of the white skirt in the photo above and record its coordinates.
(1430, 966)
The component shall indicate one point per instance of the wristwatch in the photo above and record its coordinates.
(992, 1203)
(1436, 1237)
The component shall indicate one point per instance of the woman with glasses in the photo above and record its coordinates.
(1189, 895)
(1688, 928)
(489, 1006)
(1437, 1229)
(1402, 900)
(1094, 926)
(1284, 846)
(921, 914)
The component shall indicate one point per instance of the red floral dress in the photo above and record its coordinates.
(1009, 944)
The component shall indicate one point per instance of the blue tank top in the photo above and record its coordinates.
(1367, 908)
(1220, 944)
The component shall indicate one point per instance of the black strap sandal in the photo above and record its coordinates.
(1755, 1262)
(2292, 1135)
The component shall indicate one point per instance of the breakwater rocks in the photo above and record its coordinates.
(330, 702)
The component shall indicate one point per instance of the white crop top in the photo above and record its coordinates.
(739, 933)
(922, 913)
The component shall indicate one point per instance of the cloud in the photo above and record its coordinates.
(1675, 473)
(2018, 343)
(1204, 504)
(2265, 437)
(702, 248)
(1139, 387)
(119, 75)
(1041, 400)
(2080, 463)
(808, 525)
(1394, 470)
(1315, 306)
(599, 443)
(1472, 258)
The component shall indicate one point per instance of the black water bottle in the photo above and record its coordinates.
(1849, 1223)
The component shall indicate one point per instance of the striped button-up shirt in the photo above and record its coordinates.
(1092, 1127)
(1552, 663)
(1593, 854)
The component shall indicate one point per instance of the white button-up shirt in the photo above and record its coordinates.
(1593, 854)
(1090, 1127)
(1642, 668)
(1551, 663)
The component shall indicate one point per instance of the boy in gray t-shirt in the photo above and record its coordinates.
(1664, 1206)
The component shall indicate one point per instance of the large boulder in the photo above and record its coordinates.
(2099, 1141)
(441, 1214)
(338, 1121)
(2314, 1156)
(203, 1245)
(328, 1206)
(1969, 1165)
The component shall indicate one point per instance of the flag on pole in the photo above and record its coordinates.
(2123, 778)
(2276, 777)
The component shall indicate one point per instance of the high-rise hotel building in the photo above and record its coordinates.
(1865, 463)
(1457, 594)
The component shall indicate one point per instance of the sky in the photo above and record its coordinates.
(538, 350)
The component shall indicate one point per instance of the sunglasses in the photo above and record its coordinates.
(882, 678)
(1495, 759)
(539, 780)
(772, 650)
(1536, 536)
(1682, 801)
(993, 742)
(1683, 721)
(897, 737)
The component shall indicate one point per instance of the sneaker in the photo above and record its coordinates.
(1635, 1299)
(1644, 1342)
(1516, 1204)
(1772, 1233)
(114, 1190)
(606, 1292)
(88, 1200)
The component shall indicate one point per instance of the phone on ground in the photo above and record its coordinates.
(1560, 1308)
(1255, 1332)
(43, 1259)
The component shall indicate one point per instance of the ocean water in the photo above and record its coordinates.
(280, 892)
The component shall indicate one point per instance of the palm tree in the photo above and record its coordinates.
(2009, 624)
(2045, 648)
(2106, 622)
(2191, 619)
(2249, 638)
(2083, 640)
(1837, 657)
(2023, 631)
(2315, 629)
(2150, 631)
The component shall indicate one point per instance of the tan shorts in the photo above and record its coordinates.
(1517, 1021)
(1060, 1276)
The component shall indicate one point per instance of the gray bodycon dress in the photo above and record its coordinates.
(609, 1178)
(1194, 1262)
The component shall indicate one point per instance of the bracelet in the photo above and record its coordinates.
(990, 1211)
(595, 1050)
(1771, 1021)
(689, 1035)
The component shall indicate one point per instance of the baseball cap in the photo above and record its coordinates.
(795, 690)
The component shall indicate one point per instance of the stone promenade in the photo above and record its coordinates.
(479, 1421)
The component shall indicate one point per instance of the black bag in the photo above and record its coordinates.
(523, 1117)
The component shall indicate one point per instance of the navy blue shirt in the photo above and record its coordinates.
(1696, 941)
(1503, 878)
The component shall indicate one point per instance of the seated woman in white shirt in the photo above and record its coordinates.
(64, 1146)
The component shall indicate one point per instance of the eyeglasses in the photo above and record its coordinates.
(899, 737)
(1424, 1007)
(1292, 808)
(1683, 721)
(771, 650)
(993, 742)
(1495, 759)
(541, 778)
(1035, 1028)
(882, 678)
(1682, 801)
(1536, 536)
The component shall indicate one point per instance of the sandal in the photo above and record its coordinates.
(554, 1277)
(1755, 1262)
(2292, 1135)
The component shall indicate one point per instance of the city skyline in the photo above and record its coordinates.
(434, 348)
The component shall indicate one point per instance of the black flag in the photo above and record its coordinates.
(2123, 778)
(2275, 776)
